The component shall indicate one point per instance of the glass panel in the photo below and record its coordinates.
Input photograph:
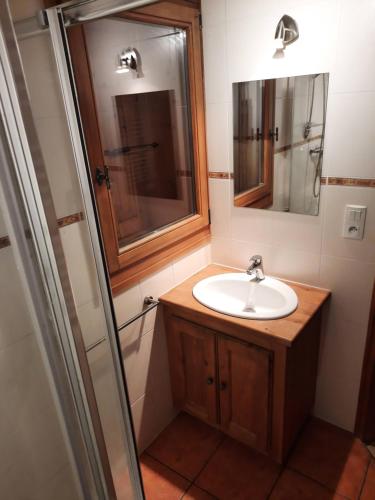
(247, 135)
(143, 116)
(36, 458)
(56, 149)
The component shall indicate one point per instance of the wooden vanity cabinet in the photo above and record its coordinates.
(254, 380)
(222, 381)
(192, 355)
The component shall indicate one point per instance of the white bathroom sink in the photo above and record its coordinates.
(239, 294)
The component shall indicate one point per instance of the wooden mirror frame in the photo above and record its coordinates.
(144, 257)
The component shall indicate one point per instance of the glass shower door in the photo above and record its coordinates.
(43, 453)
(70, 256)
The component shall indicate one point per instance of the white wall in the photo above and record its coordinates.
(336, 36)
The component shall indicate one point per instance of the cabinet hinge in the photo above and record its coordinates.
(200, 21)
(209, 216)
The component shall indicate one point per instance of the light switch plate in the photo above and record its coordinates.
(354, 221)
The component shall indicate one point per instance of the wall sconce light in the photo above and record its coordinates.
(128, 60)
(286, 32)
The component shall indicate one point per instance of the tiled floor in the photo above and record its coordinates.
(193, 461)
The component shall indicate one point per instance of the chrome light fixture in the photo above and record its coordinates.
(128, 60)
(286, 32)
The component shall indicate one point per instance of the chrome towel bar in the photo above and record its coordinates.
(148, 301)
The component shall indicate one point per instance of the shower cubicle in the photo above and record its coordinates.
(65, 424)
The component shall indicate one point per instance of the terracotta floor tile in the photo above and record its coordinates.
(332, 457)
(368, 492)
(185, 445)
(160, 483)
(195, 493)
(293, 486)
(237, 472)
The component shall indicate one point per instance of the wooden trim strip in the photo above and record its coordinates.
(220, 175)
(70, 219)
(348, 181)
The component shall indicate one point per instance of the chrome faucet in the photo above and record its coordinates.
(256, 268)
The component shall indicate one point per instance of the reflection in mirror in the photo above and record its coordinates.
(139, 82)
(278, 142)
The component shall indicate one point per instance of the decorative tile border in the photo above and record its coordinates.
(349, 181)
(70, 219)
(220, 175)
(4, 242)
(62, 222)
(331, 181)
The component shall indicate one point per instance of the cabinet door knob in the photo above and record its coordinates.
(210, 381)
(223, 386)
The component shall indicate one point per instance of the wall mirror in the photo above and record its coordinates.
(278, 142)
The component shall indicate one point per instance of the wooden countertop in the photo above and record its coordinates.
(284, 330)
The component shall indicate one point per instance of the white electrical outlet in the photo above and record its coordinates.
(354, 221)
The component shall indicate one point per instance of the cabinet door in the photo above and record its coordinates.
(245, 389)
(192, 366)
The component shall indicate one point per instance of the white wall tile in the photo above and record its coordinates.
(220, 204)
(77, 251)
(339, 374)
(217, 119)
(92, 322)
(297, 232)
(294, 265)
(351, 283)
(57, 153)
(354, 69)
(146, 361)
(221, 251)
(32, 440)
(254, 28)
(215, 67)
(350, 136)
(252, 224)
(15, 321)
(151, 414)
(190, 264)
(127, 304)
(156, 285)
(101, 369)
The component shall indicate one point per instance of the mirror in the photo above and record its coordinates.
(278, 142)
